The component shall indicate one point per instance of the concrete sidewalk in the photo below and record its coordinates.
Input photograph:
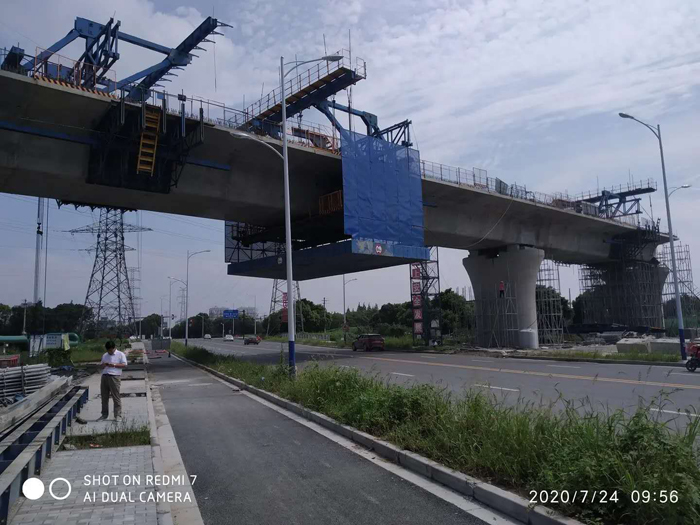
(109, 486)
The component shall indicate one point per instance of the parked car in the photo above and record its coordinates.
(228, 337)
(368, 342)
(251, 340)
(207, 336)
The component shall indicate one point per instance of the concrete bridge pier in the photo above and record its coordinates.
(504, 281)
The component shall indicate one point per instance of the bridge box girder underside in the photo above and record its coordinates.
(355, 255)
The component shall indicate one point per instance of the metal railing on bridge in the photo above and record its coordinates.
(477, 178)
(318, 136)
(305, 80)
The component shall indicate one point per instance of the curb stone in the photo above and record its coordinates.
(503, 501)
(163, 510)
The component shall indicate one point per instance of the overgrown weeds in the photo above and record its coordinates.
(520, 446)
(126, 434)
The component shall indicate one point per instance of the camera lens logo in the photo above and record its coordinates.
(34, 488)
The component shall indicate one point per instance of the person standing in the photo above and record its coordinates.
(112, 363)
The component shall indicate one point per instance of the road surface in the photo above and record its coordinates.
(602, 385)
(257, 466)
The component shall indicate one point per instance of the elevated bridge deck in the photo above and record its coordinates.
(47, 130)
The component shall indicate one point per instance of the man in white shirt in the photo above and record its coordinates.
(112, 363)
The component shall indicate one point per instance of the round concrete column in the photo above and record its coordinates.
(516, 266)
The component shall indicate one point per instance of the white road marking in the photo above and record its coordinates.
(482, 360)
(498, 388)
(400, 374)
(172, 381)
(563, 366)
(428, 356)
(676, 412)
(200, 384)
(687, 374)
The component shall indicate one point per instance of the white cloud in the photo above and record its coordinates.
(528, 89)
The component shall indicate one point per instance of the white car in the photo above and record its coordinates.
(228, 337)
(207, 336)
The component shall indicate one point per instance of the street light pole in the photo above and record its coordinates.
(682, 187)
(679, 311)
(291, 320)
(187, 292)
(345, 332)
(170, 304)
(287, 207)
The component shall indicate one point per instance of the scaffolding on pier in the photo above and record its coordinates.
(690, 296)
(497, 317)
(626, 290)
(550, 315)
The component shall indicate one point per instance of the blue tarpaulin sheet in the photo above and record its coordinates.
(382, 192)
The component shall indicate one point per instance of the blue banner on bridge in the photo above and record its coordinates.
(382, 191)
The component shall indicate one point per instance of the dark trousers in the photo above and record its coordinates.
(109, 387)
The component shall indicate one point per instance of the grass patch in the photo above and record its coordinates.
(523, 447)
(124, 435)
(628, 356)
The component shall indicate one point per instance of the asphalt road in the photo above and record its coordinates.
(603, 386)
(256, 466)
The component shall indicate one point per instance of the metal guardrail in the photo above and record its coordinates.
(24, 449)
(477, 178)
(620, 188)
(305, 79)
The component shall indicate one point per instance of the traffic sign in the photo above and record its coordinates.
(230, 314)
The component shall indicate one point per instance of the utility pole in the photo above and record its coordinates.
(324, 315)
(24, 324)
(39, 243)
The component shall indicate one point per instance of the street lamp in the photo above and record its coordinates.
(345, 322)
(657, 133)
(683, 187)
(170, 304)
(202, 316)
(187, 292)
(291, 320)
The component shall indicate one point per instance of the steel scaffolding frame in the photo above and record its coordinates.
(690, 296)
(550, 315)
(628, 289)
(497, 317)
(425, 299)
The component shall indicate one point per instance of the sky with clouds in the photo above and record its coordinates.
(527, 89)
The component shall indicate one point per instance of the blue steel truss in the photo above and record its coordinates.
(396, 134)
(102, 51)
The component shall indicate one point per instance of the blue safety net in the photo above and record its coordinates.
(382, 192)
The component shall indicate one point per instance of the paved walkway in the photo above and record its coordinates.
(256, 466)
(126, 495)
(127, 463)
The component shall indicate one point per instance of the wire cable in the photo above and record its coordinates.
(494, 226)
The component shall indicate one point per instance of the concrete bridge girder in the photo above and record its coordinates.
(240, 180)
